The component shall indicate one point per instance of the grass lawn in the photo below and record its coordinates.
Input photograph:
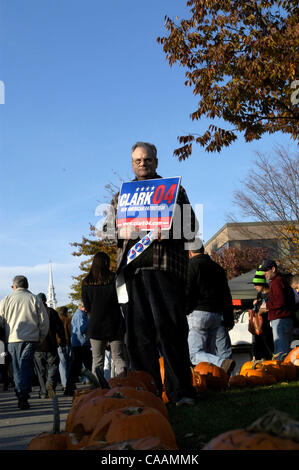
(217, 412)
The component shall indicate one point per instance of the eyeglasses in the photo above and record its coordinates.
(147, 161)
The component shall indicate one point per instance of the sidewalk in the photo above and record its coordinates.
(18, 427)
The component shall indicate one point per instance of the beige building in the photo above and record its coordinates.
(252, 234)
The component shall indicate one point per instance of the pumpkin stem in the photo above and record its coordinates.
(56, 416)
(100, 376)
(255, 362)
(133, 410)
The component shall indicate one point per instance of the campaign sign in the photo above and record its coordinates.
(148, 204)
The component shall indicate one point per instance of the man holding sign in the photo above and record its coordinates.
(155, 266)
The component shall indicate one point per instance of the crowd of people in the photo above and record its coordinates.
(177, 304)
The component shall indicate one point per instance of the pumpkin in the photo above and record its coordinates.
(87, 416)
(238, 381)
(289, 370)
(144, 396)
(144, 443)
(274, 368)
(133, 423)
(273, 431)
(55, 440)
(216, 377)
(199, 381)
(293, 357)
(259, 377)
(79, 401)
(140, 375)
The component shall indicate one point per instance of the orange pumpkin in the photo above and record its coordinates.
(55, 440)
(238, 381)
(293, 357)
(144, 396)
(289, 370)
(79, 401)
(199, 381)
(87, 416)
(274, 368)
(259, 377)
(134, 378)
(216, 377)
(133, 423)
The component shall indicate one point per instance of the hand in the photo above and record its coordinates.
(128, 232)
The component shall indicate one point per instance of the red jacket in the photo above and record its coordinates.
(281, 299)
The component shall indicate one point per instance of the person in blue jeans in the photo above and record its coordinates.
(81, 348)
(209, 303)
(26, 324)
(280, 307)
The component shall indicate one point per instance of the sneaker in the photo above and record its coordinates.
(186, 401)
(50, 390)
(228, 365)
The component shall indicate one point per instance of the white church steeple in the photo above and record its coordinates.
(51, 299)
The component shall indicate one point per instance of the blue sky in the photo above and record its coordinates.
(83, 81)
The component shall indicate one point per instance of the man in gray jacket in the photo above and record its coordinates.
(26, 324)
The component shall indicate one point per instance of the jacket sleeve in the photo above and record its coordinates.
(43, 320)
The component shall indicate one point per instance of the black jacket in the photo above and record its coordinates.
(207, 288)
(55, 329)
(105, 319)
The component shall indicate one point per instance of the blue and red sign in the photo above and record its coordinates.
(148, 204)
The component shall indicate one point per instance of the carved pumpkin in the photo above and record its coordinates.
(216, 377)
(199, 381)
(293, 357)
(273, 431)
(141, 375)
(133, 423)
(87, 416)
(144, 396)
(79, 401)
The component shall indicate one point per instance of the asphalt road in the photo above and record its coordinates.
(18, 427)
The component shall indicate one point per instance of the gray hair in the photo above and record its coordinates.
(151, 148)
(20, 281)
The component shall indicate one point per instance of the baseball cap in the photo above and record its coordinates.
(268, 264)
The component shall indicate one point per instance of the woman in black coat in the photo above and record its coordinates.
(106, 323)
